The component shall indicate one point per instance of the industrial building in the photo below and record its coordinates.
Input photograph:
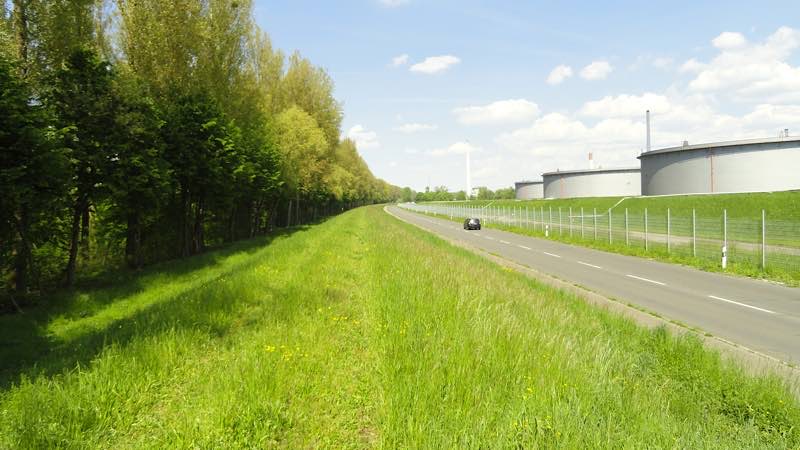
(752, 165)
(592, 183)
(528, 190)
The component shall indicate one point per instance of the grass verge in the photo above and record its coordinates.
(364, 331)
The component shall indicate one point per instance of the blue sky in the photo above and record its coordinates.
(484, 77)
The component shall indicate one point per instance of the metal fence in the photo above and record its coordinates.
(762, 244)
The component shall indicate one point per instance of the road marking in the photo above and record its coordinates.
(523, 247)
(590, 265)
(741, 304)
(552, 254)
(489, 238)
(504, 242)
(647, 280)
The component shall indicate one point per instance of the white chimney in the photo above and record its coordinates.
(591, 161)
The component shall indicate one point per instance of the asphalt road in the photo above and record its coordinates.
(759, 315)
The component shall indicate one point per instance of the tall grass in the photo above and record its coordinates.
(360, 332)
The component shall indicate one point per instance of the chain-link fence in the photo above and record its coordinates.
(764, 243)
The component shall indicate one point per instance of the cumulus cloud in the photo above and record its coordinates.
(597, 70)
(435, 64)
(415, 127)
(364, 139)
(626, 105)
(729, 40)
(503, 111)
(692, 65)
(752, 72)
(458, 148)
(400, 60)
(559, 74)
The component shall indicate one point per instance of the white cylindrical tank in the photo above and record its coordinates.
(753, 165)
(592, 183)
(528, 190)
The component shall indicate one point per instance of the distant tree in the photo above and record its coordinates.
(504, 193)
(485, 193)
(408, 195)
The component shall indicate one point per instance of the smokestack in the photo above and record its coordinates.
(591, 161)
(647, 115)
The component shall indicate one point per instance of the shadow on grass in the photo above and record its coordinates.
(27, 349)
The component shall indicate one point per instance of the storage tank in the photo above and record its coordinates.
(592, 183)
(752, 165)
(528, 190)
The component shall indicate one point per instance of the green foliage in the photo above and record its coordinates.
(409, 343)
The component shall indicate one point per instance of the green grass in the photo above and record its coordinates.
(360, 332)
(783, 206)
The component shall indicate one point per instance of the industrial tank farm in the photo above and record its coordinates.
(753, 165)
(528, 190)
(592, 183)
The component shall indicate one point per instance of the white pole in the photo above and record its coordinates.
(668, 229)
(581, 222)
(694, 234)
(645, 230)
(469, 180)
(647, 114)
(627, 238)
(763, 239)
(724, 238)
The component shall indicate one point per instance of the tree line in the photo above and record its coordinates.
(442, 194)
(138, 131)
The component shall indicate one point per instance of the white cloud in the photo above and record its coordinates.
(662, 62)
(458, 148)
(626, 106)
(503, 111)
(729, 40)
(400, 60)
(363, 138)
(394, 3)
(559, 74)
(752, 72)
(597, 70)
(415, 127)
(692, 65)
(435, 64)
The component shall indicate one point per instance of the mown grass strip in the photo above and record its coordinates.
(364, 331)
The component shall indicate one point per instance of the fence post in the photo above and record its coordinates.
(594, 217)
(724, 238)
(694, 234)
(570, 221)
(609, 226)
(763, 240)
(645, 230)
(527, 219)
(551, 217)
(627, 238)
(581, 222)
(560, 223)
(668, 230)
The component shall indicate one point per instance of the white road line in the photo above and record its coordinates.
(552, 254)
(741, 304)
(504, 242)
(590, 265)
(647, 280)
(489, 238)
(523, 247)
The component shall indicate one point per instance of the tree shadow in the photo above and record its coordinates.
(28, 349)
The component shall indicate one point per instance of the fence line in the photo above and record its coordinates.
(726, 241)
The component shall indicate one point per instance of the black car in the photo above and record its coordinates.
(472, 224)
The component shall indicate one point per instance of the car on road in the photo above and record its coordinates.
(472, 224)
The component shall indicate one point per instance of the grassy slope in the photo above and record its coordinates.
(365, 331)
(779, 205)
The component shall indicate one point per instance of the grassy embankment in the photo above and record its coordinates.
(744, 226)
(364, 331)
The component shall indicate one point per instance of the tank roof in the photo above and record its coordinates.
(681, 148)
(529, 182)
(609, 170)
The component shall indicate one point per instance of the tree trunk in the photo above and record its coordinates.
(297, 208)
(74, 240)
(197, 236)
(23, 254)
(184, 224)
(85, 224)
(289, 215)
(133, 242)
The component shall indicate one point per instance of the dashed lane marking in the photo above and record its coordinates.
(741, 304)
(647, 280)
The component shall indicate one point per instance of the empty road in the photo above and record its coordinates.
(762, 316)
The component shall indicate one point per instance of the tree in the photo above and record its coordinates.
(33, 172)
(82, 101)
